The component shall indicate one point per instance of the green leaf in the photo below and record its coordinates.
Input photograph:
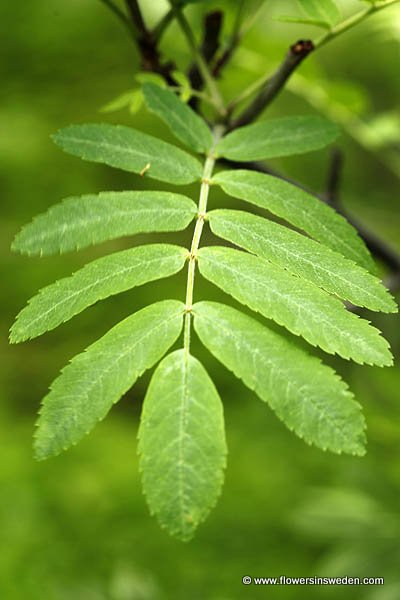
(130, 150)
(136, 102)
(182, 444)
(323, 10)
(96, 379)
(120, 102)
(302, 256)
(148, 77)
(185, 88)
(299, 306)
(277, 137)
(184, 123)
(99, 279)
(79, 222)
(306, 395)
(303, 21)
(300, 209)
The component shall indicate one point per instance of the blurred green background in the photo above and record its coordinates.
(77, 527)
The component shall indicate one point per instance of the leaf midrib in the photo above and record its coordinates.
(137, 154)
(81, 223)
(298, 306)
(243, 342)
(111, 364)
(310, 217)
(314, 265)
(94, 283)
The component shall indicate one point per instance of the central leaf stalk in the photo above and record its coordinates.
(198, 230)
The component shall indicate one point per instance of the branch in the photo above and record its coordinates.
(159, 30)
(209, 47)
(273, 85)
(147, 44)
(203, 67)
(352, 21)
(334, 177)
(136, 16)
(297, 53)
(119, 14)
(236, 36)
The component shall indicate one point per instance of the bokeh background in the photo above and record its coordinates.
(77, 527)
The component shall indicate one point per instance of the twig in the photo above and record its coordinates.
(209, 47)
(119, 14)
(234, 41)
(353, 21)
(273, 85)
(136, 16)
(334, 177)
(147, 44)
(203, 67)
(159, 30)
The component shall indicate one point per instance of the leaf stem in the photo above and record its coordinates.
(198, 230)
(203, 67)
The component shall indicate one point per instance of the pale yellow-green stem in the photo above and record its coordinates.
(198, 230)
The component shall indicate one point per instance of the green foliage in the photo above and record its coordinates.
(130, 150)
(321, 13)
(182, 444)
(299, 306)
(80, 222)
(303, 257)
(323, 10)
(298, 208)
(282, 274)
(96, 379)
(277, 137)
(100, 279)
(306, 395)
(185, 124)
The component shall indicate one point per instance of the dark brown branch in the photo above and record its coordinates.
(209, 47)
(235, 39)
(137, 17)
(297, 53)
(147, 44)
(334, 177)
(225, 57)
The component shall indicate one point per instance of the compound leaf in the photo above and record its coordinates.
(306, 395)
(96, 379)
(302, 256)
(78, 222)
(296, 304)
(182, 444)
(323, 10)
(131, 150)
(99, 279)
(184, 123)
(277, 137)
(300, 209)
